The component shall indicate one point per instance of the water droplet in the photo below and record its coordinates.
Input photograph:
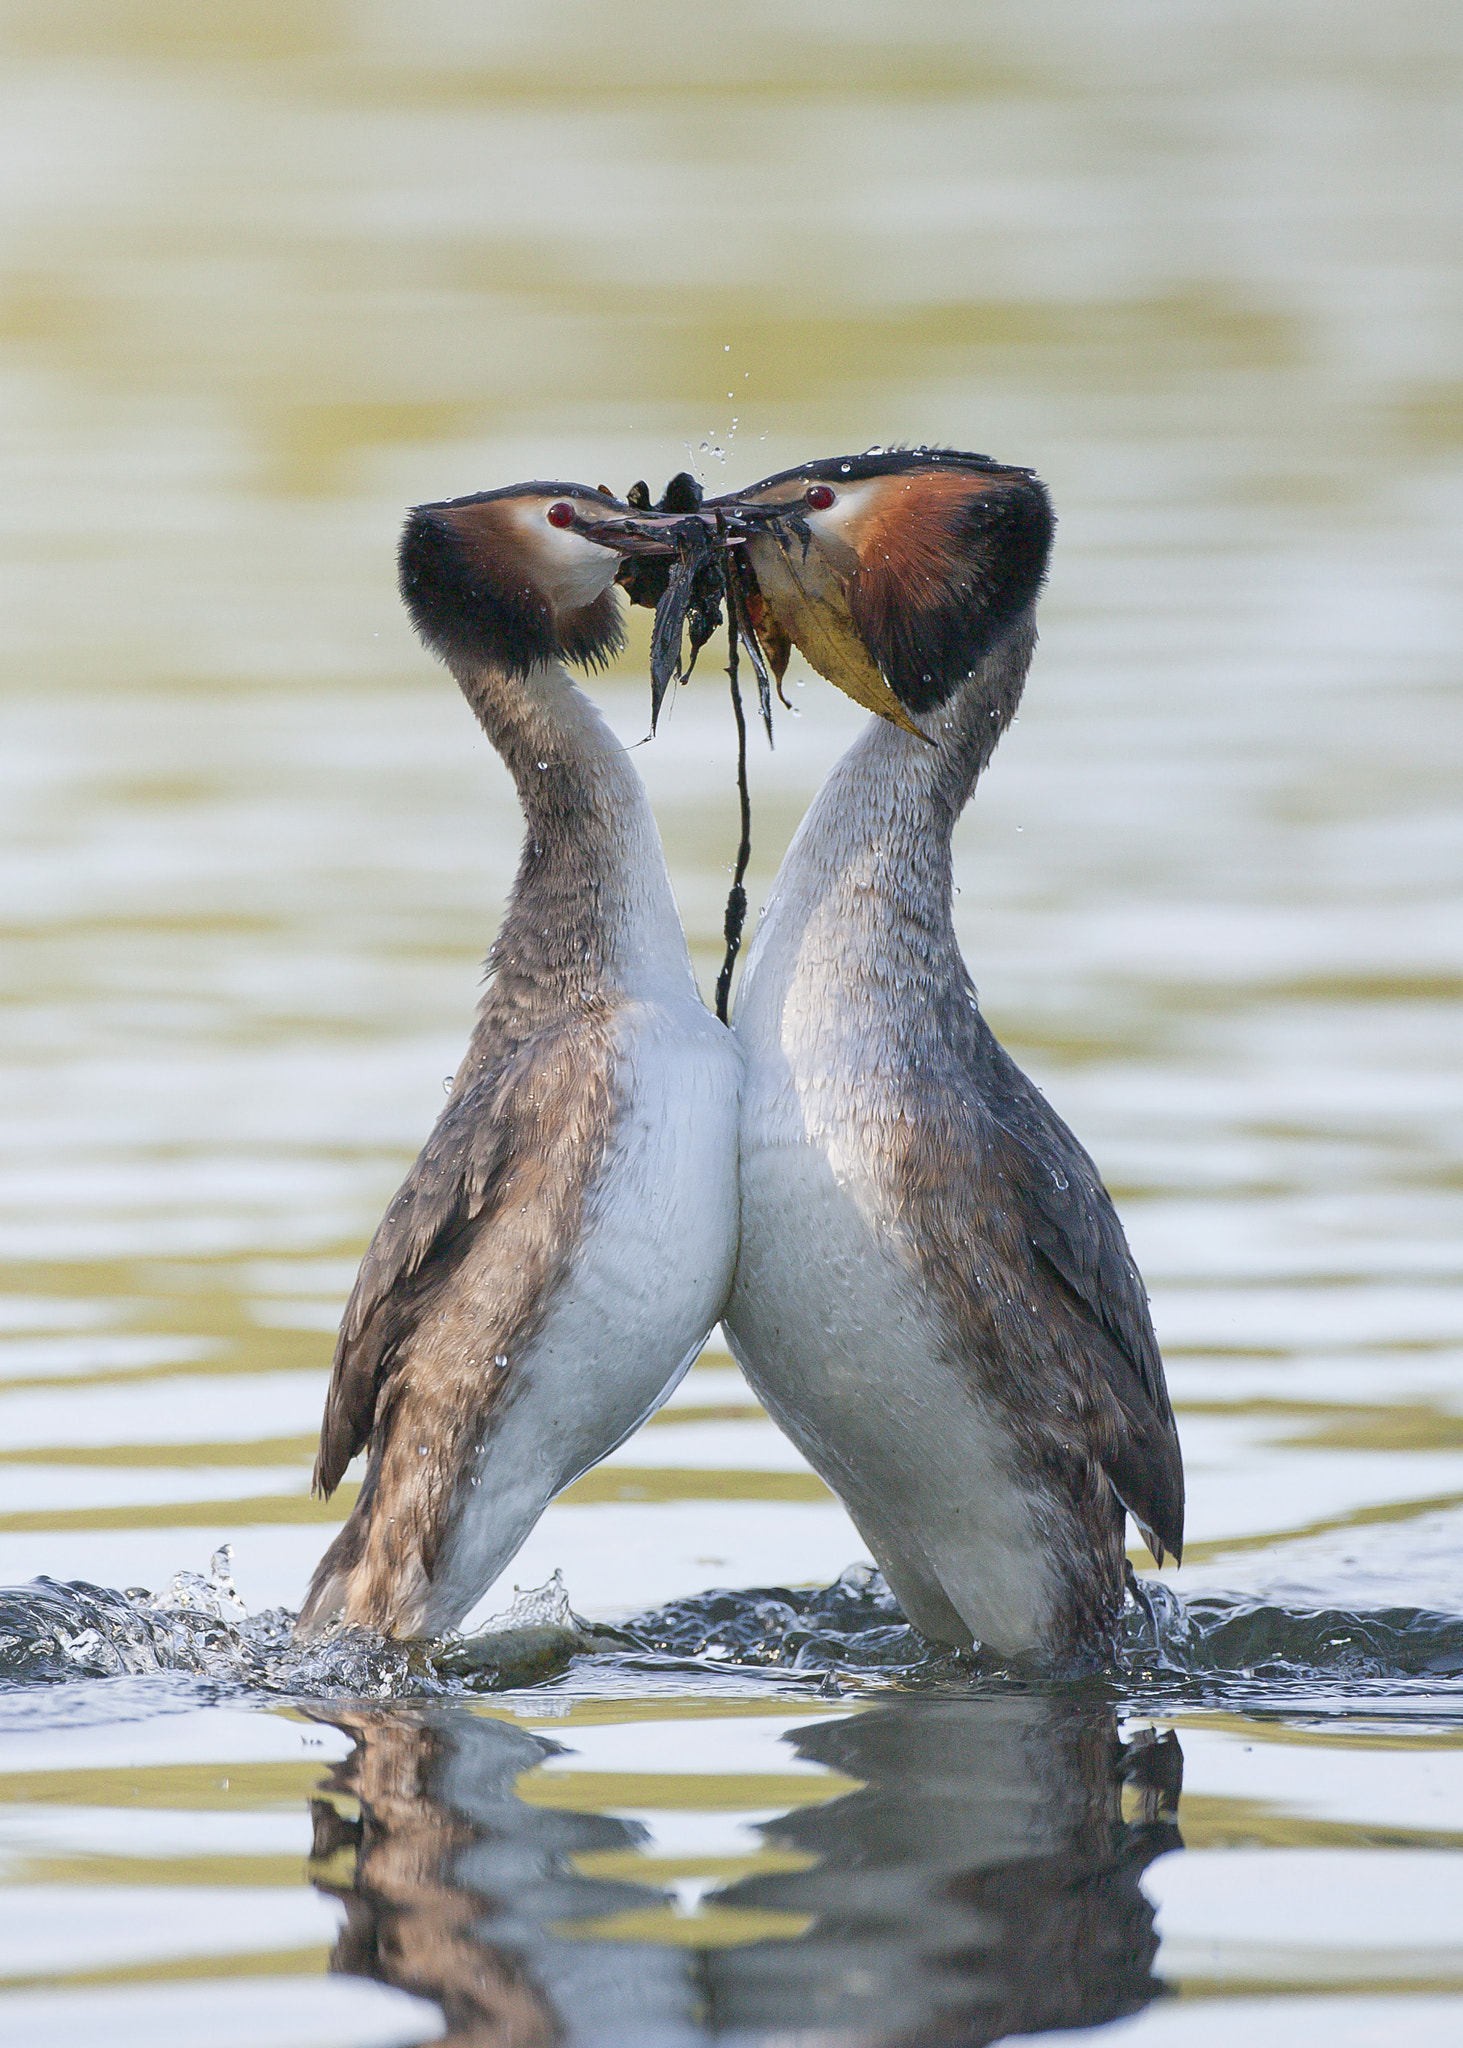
(501, 1361)
(543, 764)
(845, 467)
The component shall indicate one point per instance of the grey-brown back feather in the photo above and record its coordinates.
(1035, 1257)
(452, 1185)
(1075, 1229)
(457, 1279)
(493, 1132)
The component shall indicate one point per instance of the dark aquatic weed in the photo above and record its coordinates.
(705, 578)
(536, 1640)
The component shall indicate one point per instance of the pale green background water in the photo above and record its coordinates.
(270, 274)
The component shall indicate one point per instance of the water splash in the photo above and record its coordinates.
(538, 1637)
(1210, 1646)
(853, 1625)
(213, 1594)
(54, 1632)
(1215, 1636)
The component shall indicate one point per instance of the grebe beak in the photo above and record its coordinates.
(662, 536)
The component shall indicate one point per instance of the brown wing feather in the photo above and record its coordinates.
(457, 1277)
(507, 1126)
(453, 1184)
(1074, 1230)
(1021, 1239)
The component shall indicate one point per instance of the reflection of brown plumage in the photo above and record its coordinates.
(1073, 1928)
(983, 1882)
(409, 1921)
(465, 1893)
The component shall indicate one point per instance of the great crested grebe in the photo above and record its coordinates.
(933, 1296)
(556, 1257)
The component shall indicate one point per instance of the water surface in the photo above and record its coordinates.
(270, 275)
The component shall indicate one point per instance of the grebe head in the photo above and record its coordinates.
(510, 578)
(894, 573)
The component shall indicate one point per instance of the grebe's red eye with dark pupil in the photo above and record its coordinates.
(561, 514)
(818, 497)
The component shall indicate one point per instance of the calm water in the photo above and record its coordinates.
(272, 273)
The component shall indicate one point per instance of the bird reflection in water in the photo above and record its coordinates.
(982, 1881)
(456, 1884)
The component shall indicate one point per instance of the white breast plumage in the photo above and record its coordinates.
(644, 1287)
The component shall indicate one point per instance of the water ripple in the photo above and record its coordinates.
(1211, 1646)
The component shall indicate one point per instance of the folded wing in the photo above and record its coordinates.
(457, 1278)
(1032, 1258)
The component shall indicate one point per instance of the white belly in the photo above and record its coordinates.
(646, 1286)
(832, 1325)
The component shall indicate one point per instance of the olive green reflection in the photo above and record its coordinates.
(983, 1880)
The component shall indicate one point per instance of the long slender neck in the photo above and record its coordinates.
(861, 908)
(592, 910)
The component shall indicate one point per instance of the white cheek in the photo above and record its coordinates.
(573, 572)
(843, 517)
(579, 572)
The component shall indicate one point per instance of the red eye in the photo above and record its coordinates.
(561, 514)
(818, 497)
